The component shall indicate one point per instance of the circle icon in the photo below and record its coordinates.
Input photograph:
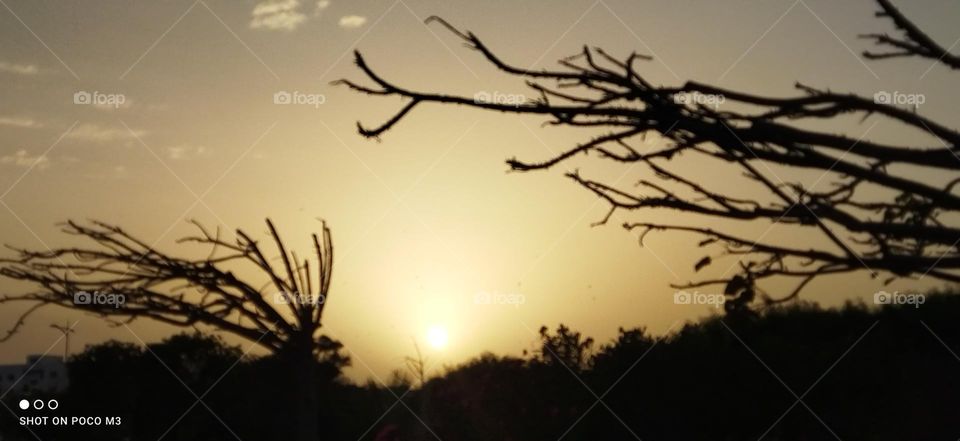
(24, 404)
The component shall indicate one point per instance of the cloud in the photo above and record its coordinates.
(23, 159)
(321, 5)
(117, 172)
(275, 15)
(26, 123)
(186, 151)
(95, 133)
(352, 21)
(19, 69)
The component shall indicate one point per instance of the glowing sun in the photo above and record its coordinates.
(437, 337)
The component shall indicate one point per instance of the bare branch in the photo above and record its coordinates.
(871, 217)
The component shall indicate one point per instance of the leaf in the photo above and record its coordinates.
(702, 263)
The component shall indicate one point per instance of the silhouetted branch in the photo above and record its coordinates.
(180, 291)
(874, 216)
(914, 43)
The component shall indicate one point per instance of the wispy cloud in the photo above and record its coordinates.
(186, 151)
(275, 15)
(26, 123)
(19, 69)
(23, 159)
(284, 15)
(116, 172)
(352, 21)
(96, 133)
(321, 5)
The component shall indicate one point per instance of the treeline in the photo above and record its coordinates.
(797, 372)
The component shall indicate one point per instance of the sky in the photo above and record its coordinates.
(427, 220)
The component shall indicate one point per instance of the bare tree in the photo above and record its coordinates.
(885, 211)
(281, 312)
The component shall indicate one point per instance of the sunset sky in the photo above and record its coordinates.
(427, 220)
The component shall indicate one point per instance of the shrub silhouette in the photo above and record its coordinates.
(863, 373)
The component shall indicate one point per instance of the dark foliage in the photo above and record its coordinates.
(861, 373)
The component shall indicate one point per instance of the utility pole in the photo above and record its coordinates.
(66, 330)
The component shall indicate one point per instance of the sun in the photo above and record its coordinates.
(437, 337)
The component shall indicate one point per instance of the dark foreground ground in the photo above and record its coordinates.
(794, 373)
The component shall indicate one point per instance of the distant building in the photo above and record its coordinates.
(41, 373)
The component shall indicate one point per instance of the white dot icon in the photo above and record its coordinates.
(24, 404)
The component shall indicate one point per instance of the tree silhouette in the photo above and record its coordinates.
(567, 348)
(283, 315)
(885, 209)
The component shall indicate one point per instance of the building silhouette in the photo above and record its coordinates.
(41, 373)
